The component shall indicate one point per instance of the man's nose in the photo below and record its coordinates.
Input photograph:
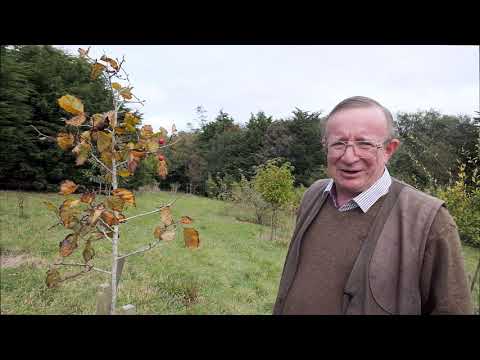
(350, 155)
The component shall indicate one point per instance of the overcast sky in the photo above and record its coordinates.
(244, 79)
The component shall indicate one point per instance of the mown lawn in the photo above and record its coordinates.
(235, 271)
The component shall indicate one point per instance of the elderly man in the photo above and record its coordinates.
(364, 242)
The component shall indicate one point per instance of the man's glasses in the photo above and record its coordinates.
(363, 148)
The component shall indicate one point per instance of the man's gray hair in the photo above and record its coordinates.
(361, 102)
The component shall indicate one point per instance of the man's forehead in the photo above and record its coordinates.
(366, 118)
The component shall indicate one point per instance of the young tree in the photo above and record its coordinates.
(113, 141)
(275, 184)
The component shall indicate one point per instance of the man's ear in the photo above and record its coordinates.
(390, 148)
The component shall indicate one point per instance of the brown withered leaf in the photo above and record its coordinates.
(104, 141)
(125, 195)
(76, 120)
(68, 245)
(126, 93)
(109, 218)
(98, 123)
(53, 278)
(95, 214)
(166, 216)
(131, 119)
(115, 203)
(87, 197)
(97, 69)
(112, 62)
(67, 187)
(162, 169)
(68, 212)
(88, 252)
(83, 53)
(81, 152)
(192, 240)
(65, 141)
(186, 220)
(121, 218)
(112, 118)
(71, 104)
(168, 235)
(134, 158)
(159, 230)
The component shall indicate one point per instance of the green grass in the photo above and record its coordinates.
(235, 271)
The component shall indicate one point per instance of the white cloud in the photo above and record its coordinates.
(245, 79)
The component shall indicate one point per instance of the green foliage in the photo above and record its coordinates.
(32, 78)
(275, 183)
(244, 195)
(464, 206)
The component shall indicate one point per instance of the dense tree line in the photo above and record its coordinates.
(219, 151)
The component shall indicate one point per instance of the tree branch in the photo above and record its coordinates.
(150, 212)
(101, 163)
(51, 138)
(142, 249)
(87, 267)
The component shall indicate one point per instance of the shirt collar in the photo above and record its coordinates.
(366, 199)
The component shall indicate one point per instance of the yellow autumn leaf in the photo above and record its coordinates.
(146, 131)
(71, 104)
(124, 173)
(159, 230)
(65, 140)
(97, 69)
(104, 141)
(116, 86)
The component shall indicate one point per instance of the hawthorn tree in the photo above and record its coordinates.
(114, 142)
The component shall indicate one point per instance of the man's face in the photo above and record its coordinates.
(353, 173)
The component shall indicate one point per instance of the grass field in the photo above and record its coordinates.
(235, 271)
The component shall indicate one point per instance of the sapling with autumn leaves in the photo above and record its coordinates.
(114, 141)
